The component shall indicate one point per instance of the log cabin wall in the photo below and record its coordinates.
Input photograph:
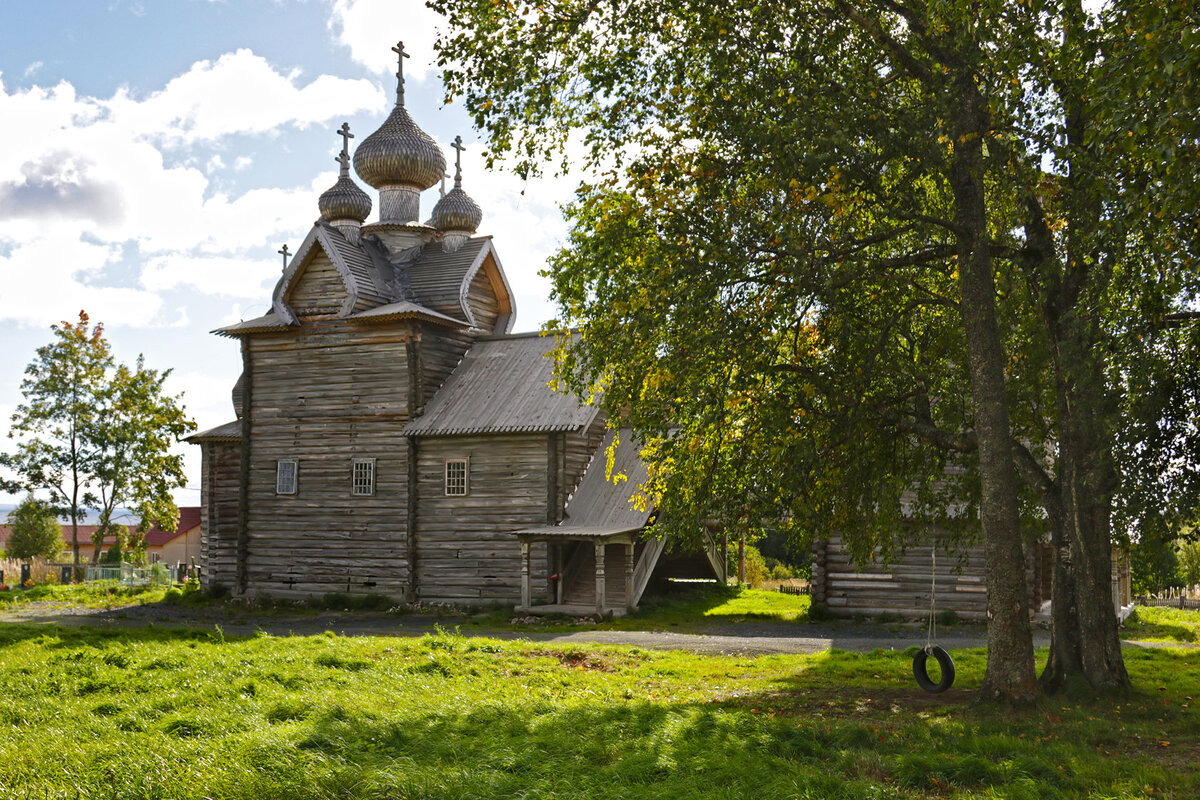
(439, 351)
(324, 394)
(219, 475)
(903, 586)
(320, 290)
(465, 551)
(482, 300)
(580, 447)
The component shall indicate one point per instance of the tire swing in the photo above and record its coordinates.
(945, 662)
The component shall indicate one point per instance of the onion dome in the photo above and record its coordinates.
(399, 153)
(344, 200)
(456, 211)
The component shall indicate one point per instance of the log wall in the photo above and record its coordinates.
(903, 586)
(465, 552)
(219, 472)
(324, 395)
(319, 289)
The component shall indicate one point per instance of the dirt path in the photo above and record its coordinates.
(747, 638)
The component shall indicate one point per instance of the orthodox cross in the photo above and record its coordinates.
(344, 157)
(346, 135)
(285, 254)
(400, 56)
(458, 145)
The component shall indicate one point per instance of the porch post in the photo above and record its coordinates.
(525, 593)
(629, 576)
(600, 598)
(562, 568)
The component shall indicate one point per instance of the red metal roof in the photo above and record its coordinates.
(189, 518)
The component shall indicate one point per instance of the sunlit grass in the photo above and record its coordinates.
(1163, 624)
(170, 714)
(94, 594)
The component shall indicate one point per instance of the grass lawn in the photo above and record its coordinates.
(1163, 624)
(153, 713)
(95, 594)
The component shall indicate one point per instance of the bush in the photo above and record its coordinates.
(35, 531)
(756, 566)
(782, 572)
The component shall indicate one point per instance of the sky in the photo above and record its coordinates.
(156, 154)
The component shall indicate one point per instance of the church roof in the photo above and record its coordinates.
(601, 507)
(502, 385)
(230, 431)
(441, 279)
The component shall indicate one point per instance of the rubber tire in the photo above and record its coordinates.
(922, 675)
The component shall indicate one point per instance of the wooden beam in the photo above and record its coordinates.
(600, 583)
(525, 589)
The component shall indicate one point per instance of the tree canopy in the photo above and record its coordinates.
(34, 531)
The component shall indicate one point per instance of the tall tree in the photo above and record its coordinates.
(97, 435)
(801, 197)
(55, 451)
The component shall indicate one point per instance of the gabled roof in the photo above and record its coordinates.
(267, 322)
(407, 309)
(229, 432)
(441, 279)
(602, 505)
(363, 278)
(502, 385)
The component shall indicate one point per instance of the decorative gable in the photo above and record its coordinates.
(319, 291)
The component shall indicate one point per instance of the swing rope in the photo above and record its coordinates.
(931, 632)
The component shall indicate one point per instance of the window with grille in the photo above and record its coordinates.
(285, 476)
(456, 477)
(364, 476)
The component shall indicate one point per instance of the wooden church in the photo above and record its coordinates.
(393, 437)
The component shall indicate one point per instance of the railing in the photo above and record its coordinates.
(128, 574)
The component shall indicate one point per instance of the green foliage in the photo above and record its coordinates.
(1153, 564)
(1188, 556)
(34, 531)
(95, 434)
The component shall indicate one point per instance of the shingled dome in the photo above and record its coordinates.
(344, 200)
(456, 211)
(399, 153)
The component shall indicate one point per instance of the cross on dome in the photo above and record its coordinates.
(346, 135)
(459, 146)
(400, 56)
(284, 252)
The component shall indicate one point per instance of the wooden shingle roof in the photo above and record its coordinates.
(603, 505)
(502, 385)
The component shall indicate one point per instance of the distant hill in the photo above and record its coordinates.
(122, 515)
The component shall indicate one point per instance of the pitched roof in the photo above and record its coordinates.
(438, 278)
(502, 385)
(603, 504)
(229, 432)
(406, 309)
(267, 322)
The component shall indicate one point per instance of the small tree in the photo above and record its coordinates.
(35, 531)
(95, 434)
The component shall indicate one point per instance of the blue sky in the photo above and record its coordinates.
(155, 154)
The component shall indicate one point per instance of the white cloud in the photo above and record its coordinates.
(83, 179)
(242, 162)
(215, 275)
(238, 93)
(51, 277)
(33, 68)
(370, 28)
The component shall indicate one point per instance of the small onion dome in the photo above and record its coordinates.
(457, 212)
(344, 200)
(399, 153)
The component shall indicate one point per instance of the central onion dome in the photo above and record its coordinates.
(399, 159)
(456, 212)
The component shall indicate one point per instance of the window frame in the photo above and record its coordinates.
(295, 465)
(465, 462)
(369, 463)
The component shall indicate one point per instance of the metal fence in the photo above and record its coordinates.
(1182, 601)
(128, 574)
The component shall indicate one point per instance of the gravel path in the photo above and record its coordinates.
(747, 638)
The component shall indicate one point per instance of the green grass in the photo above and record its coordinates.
(1163, 624)
(96, 594)
(154, 713)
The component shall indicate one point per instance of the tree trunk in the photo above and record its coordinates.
(1065, 659)
(1010, 673)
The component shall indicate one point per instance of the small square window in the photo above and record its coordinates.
(285, 476)
(456, 477)
(364, 476)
